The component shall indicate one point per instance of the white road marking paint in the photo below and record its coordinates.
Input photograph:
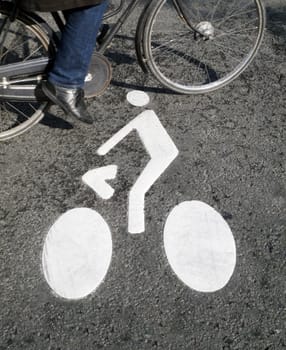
(77, 253)
(138, 98)
(199, 246)
(96, 180)
(162, 151)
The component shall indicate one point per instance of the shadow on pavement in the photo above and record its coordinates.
(276, 22)
(55, 122)
(120, 58)
(143, 87)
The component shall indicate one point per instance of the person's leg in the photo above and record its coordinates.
(66, 78)
(76, 45)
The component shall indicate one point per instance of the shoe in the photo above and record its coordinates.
(70, 100)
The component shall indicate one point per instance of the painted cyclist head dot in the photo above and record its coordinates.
(138, 98)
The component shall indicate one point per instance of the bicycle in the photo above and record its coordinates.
(202, 46)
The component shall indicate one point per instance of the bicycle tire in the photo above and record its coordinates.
(175, 36)
(139, 39)
(24, 34)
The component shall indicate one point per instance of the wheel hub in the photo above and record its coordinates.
(206, 29)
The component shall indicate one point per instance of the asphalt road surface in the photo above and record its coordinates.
(232, 150)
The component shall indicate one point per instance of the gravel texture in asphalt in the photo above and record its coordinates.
(232, 156)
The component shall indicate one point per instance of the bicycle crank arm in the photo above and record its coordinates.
(21, 93)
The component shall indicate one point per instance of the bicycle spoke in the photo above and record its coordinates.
(196, 16)
(200, 63)
(214, 10)
(20, 43)
(227, 53)
(236, 15)
(33, 52)
(178, 54)
(170, 41)
(32, 107)
(17, 110)
(236, 32)
(13, 48)
(233, 14)
(10, 33)
(208, 74)
(243, 37)
(236, 6)
(242, 25)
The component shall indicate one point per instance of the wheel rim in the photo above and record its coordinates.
(188, 62)
(24, 41)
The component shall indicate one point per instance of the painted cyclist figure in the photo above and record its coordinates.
(65, 81)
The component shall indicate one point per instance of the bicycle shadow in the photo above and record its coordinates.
(143, 87)
(276, 23)
(119, 57)
(55, 122)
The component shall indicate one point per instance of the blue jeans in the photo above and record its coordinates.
(76, 45)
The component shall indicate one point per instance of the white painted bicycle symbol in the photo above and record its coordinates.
(198, 243)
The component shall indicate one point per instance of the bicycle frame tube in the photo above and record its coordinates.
(114, 12)
(32, 67)
(182, 11)
(110, 35)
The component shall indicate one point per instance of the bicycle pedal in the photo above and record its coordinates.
(103, 31)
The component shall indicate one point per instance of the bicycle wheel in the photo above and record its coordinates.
(21, 40)
(196, 46)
